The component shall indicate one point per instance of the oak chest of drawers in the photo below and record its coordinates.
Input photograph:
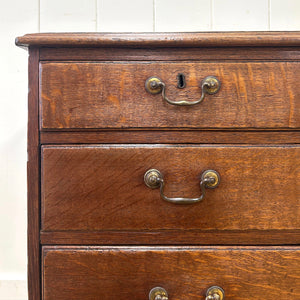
(167, 163)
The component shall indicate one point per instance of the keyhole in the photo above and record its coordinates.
(180, 81)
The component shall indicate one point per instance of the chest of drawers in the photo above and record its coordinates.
(164, 166)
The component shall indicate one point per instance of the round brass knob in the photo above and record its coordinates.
(215, 293)
(158, 293)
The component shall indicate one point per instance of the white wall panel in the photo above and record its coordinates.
(285, 15)
(240, 15)
(16, 18)
(178, 15)
(13, 290)
(126, 16)
(68, 15)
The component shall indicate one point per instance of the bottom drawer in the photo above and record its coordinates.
(185, 272)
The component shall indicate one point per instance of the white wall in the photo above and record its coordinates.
(18, 17)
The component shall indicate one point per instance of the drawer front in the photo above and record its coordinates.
(102, 187)
(185, 272)
(113, 95)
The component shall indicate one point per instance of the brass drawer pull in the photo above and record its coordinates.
(213, 293)
(158, 293)
(210, 85)
(209, 179)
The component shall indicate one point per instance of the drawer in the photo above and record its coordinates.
(185, 272)
(76, 95)
(101, 187)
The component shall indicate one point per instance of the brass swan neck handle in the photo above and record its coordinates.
(212, 293)
(210, 85)
(209, 179)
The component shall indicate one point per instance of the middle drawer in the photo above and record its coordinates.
(101, 187)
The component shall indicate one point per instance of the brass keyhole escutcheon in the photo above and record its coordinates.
(181, 81)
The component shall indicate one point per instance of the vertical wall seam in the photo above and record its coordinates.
(154, 15)
(269, 15)
(211, 14)
(96, 8)
(39, 15)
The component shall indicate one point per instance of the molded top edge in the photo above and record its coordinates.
(155, 39)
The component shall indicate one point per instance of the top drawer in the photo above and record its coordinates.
(88, 95)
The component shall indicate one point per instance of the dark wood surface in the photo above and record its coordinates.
(33, 181)
(101, 187)
(113, 95)
(172, 237)
(249, 273)
(171, 54)
(144, 40)
(171, 136)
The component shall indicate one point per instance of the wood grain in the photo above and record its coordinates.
(145, 40)
(171, 136)
(33, 175)
(101, 187)
(172, 237)
(185, 272)
(112, 95)
(171, 54)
